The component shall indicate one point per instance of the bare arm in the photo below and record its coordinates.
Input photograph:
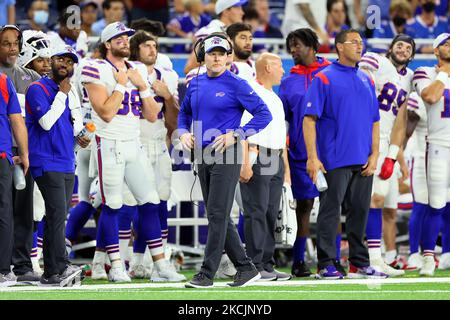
(398, 133)
(191, 63)
(309, 17)
(287, 169)
(172, 105)
(413, 120)
(11, 15)
(106, 107)
(433, 93)
(357, 11)
(21, 136)
(313, 164)
(371, 164)
(376, 138)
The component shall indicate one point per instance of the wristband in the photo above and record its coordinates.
(442, 77)
(145, 94)
(120, 88)
(393, 152)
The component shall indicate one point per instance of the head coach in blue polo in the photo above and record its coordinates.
(341, 132)
(215, 102)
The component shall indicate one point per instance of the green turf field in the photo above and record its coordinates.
(410, 287)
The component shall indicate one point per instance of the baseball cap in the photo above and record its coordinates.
(216, 42)
(87, 3)
(115, 29)
(222, 5)
(440, 40)
(66, 51)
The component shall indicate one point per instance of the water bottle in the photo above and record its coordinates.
(88, 131)
(19, 177)
(321, 182)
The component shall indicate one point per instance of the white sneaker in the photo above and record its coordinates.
(167, 274)
(444, 261)
(118, 275)
(98, 272)
(139, 272)
(415, 261)
(226, 268)
(428, 266)
(382, 266)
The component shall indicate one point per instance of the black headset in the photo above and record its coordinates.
(199, 46)
(14, 27)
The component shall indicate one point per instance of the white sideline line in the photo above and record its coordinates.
(133, 286)
(208, 291)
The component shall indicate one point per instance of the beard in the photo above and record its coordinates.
(241, 54)
(121, 53)
(398, 61)
(59, 76)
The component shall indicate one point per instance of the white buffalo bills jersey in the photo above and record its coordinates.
(390, 93)
(157, 129)
(86, 107)
(245, 70)
(416, 105)
(194, 73)
(125, 124)
(439, 113)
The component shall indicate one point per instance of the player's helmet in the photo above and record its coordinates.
(35, 44)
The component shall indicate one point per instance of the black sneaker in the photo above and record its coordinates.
(340, 268)
(244, 278)
(62, 280)
(51, 281)
(28, 278)
(300, 270)
(200, 280)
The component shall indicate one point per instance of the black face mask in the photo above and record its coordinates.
(399, 21)
(429, 7)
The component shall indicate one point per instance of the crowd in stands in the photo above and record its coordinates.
(269, 18)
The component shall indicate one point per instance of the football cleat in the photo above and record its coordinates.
(365, 273)
(118, 275)
(167, 275)
(382, 266)
(429, 265)
(444, 261)
(415, 261)
(98, 272)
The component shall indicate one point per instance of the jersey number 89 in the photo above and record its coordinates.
(388, 95)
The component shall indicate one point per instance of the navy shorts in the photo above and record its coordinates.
(302, 186)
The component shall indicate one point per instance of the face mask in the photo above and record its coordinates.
(429, 7)
(40, 17)
(399, 21)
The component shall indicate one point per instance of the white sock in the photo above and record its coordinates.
(99, 257)
(138, 259)
(374, 253)
(148, 259)
(39, 253)
(123, 248)
(390, 256)
(161, 264)
(115, 260)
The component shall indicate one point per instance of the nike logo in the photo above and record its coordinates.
(252, 92)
